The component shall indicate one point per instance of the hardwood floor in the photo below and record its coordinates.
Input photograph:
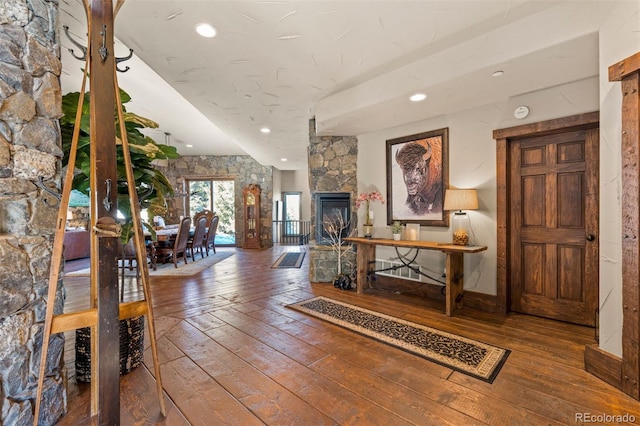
(232, 353)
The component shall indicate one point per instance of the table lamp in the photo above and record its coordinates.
(460, 199)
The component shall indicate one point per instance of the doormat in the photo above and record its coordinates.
(289, 260)
(468, 356)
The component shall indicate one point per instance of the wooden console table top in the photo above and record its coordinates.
(425, 245)
(455, 263)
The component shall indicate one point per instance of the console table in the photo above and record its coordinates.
(366, 253)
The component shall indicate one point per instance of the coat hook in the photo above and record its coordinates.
(104, 52)
(81, 47)
(126, 58)
(40, 184)
(106, 202)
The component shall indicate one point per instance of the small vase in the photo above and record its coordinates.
(367, 229)
(396, 237)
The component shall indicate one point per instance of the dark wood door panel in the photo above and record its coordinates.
(541, 235)
(553, 210)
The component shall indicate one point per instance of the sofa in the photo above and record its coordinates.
(77, 244)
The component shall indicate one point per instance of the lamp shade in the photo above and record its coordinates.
(461, 199)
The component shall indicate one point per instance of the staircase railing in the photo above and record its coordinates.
(291, 232)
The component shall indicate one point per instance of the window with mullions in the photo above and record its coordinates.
(217, 195)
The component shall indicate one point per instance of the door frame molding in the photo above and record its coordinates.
(503, 137)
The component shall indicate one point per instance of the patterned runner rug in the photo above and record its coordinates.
(477, 359)
(289, 260)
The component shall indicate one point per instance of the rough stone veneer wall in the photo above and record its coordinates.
(244, 170)
(332, 168)
(30, 104)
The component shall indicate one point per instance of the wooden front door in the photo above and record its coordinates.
(554, 225)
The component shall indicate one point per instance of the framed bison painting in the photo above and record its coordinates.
(417, 176)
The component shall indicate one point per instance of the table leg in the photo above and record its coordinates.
(365, 254)
(455, 282)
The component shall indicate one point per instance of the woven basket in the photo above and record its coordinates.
(131, 348)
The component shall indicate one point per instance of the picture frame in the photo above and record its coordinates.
(417, 177)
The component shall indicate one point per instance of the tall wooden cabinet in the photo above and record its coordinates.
(251, 217)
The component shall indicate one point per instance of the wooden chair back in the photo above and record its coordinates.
(183, 235)
(197, 242)
(206, 213)
(179, 248)
(210, 239)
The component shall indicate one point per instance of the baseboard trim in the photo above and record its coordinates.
(480, 301)
(603, 365)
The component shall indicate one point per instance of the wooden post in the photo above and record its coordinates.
(364, 255)
(455, 282)
(628, 72)
(104, 197)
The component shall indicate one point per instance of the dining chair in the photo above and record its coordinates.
(197, 241)
(210, 238)
(206, 213)
(179, 247)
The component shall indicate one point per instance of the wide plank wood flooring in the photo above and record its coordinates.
(232, 353)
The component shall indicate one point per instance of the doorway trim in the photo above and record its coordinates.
(503, 137)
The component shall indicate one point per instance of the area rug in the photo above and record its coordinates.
(289, 260)
(167, 269)
(468, 356)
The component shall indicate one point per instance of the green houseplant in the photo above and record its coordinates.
(152, 185)
(396, 229)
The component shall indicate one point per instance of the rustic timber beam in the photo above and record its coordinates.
(628, 72)
(103, 147)
(89, 317)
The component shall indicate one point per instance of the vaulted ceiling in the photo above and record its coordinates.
(350, 64)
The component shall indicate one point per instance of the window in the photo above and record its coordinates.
(217, 195)
(291, 208)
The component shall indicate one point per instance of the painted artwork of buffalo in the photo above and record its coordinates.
(417, 176)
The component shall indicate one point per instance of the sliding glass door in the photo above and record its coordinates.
(217, 195)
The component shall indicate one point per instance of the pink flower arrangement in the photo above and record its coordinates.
(366, 198)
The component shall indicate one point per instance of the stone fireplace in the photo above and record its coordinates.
(332, 170)
(30, 106)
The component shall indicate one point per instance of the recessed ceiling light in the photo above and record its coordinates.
(206, 30)
(265, 130)
(498, 73)
(418, 97)
(189, 145)
(283, 159)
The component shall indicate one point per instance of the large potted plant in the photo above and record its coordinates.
(151, 184)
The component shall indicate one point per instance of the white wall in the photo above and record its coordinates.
(619, 39)
(472, 164)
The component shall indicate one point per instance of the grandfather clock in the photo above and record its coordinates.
(252, 217)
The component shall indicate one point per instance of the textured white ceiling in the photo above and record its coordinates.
(352, 64)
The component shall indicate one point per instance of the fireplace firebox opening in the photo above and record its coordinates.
(331, 205)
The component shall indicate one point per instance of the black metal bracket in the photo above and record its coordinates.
(406, 262)
(40, 184)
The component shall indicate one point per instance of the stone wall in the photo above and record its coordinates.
(332, 168)
(243, 169)
(30, 104)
